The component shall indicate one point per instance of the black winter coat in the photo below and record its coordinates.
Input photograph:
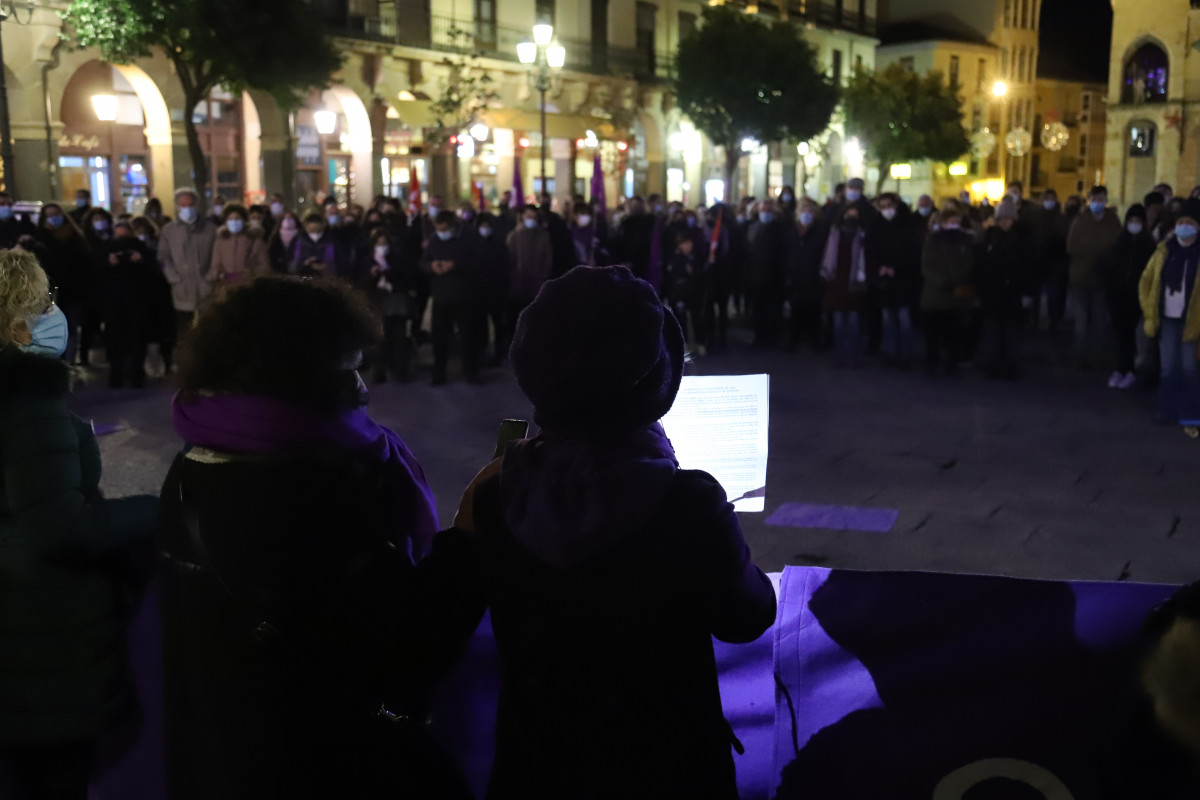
(804, 264)
(608, 679)
(1004, 270)
(895, 244)
(1121, 272)
(768, 255)
(290, 715)
(458, 285)
(63, 663)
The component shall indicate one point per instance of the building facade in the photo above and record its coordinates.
(1153, 127)
(611, 98)
(992, 46)
(1078, 164)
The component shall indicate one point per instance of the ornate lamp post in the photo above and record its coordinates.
(546, 57)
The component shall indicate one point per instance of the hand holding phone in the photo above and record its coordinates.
(511, 430)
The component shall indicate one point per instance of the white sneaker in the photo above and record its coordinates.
(1114, 380)
(1128, 381)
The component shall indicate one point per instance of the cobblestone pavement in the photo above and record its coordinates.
(1051, 476)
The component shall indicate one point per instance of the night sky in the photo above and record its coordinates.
(1074, 39)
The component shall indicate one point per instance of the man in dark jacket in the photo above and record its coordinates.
(804, 285)
(1048, 229)
(493, 286)
(635, 238)
(451, 261)
(765, 277)
(895, 261)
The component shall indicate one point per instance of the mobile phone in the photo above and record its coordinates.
(510, 431)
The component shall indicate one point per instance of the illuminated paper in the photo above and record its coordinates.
(719, 424)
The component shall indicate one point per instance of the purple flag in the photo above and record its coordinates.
(940, 681)
(598, 194)
(518, 191)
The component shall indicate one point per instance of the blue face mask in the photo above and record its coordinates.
(49, 334)
(445, 235)
(1184, 231)
(187, 214)
(55, 220)
(765, 217)
(1096, 207)
(333, 219)
(81, 203)
(234, 225)
(806, 218)
(6, 212)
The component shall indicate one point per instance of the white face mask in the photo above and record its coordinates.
(485, 231)
(276, 209)
(315, 235)
(888, 213)
(530, 224)
(187, 214)
(218, 210)
(853, 195)
(234, 225)
(445, 235)
(1134, 227)
(924, 211)
(584, 220)
(1049, 205)
(381, 251)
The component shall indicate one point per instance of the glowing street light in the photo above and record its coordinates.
(527, 52)
(556, 56)
(999, 89)
(546, 57)
(479, 131)
(543, 34)
(326, 121)
(105, 106)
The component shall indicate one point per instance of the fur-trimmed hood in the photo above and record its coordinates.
(28, 373)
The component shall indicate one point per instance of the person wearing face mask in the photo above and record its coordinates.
(1171, 310)
(1003, 275)
(277, 207)
(1121, 275)
(1049, 227)
(924, 217)
(217, 208)
(585, 238)
(634, 239)
(129, 286)
(1091, 238)
(804, 288)
(787, 202)
(98, 232)
(895, 260)
(240, 252)
(69, 602)
(318, 251)
(154, 212)
(284, 241)
(64, 255)
(947, 267)
(765, 274)
(845, 269)
(493, 286)
(185, 253)
(856, 199)
(12, 226)
(387, 279)
(532, 260)
(452, 261)
(83, 204)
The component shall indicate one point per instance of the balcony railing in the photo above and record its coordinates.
(819, 12)
(449, 35)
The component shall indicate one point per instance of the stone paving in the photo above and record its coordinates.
(1051, 476)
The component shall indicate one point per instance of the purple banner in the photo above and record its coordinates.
(915, 685)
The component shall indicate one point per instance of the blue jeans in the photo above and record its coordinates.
(897, 332)
(1179, 390)
(846, 337)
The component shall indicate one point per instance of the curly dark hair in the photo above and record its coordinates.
(281, 337)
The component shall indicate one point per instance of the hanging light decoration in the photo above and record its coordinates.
(1055, 136)
(1018, 141)
(983, 143)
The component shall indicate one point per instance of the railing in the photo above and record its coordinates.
(448, 35)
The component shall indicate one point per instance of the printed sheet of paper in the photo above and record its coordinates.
(719, 424)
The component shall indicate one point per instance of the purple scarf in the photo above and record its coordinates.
(247, 425)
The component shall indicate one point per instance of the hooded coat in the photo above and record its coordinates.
(63, 666)
(610, 689)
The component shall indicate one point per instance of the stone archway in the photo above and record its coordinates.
(359, 139)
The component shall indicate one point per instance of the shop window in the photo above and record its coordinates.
(1145, 76)
(1083, 145)
(647, 27)
(907, 62)
(954, 71)
(981, 76)
(1141, 140)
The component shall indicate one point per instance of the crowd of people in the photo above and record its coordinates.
(853, 276)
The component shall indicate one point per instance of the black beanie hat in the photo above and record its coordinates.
(598, 352)
(1136, 210)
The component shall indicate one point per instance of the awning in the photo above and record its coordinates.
(558, 126)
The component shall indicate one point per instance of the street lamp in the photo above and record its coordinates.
(999, 89)
(545, 57)
(326, 121)
(105, 106)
